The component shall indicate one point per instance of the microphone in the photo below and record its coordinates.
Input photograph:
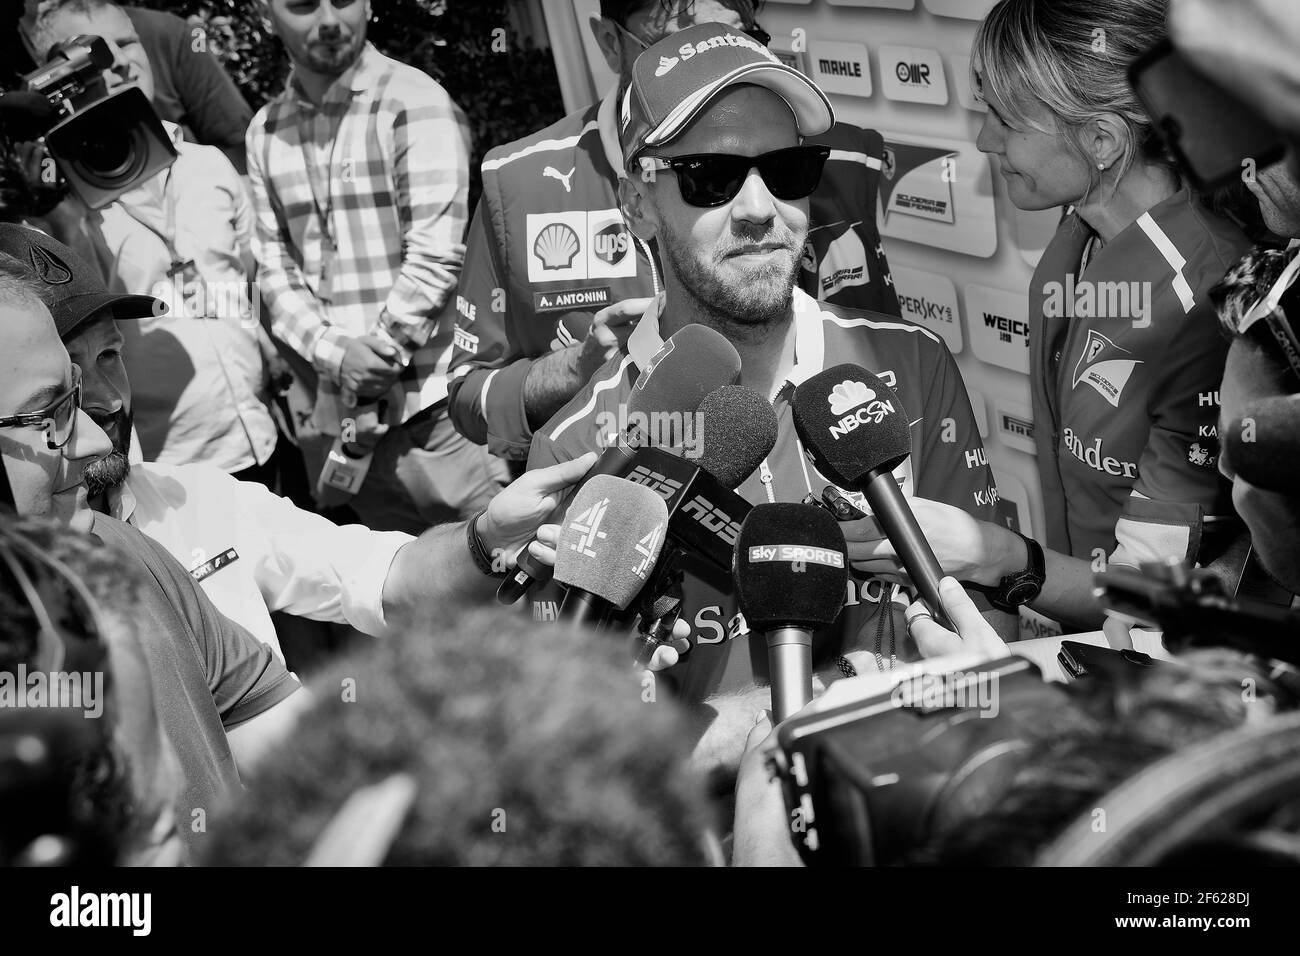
(1263, 446)
(610, 541)
(737, 429)
(692, 362)
(855, 432)
(791, 574)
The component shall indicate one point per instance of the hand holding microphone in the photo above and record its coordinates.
(856, 432)
(609, 543)
(692, 362)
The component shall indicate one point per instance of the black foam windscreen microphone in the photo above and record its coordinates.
(609, 543)
(856, 432)
(691, 363)
(791, 573)
(738, 430)
(1263, 446)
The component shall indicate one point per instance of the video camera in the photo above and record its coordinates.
(104, 143)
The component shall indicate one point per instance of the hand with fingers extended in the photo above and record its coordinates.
(974, 633)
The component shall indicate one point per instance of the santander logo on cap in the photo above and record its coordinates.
(688, 50)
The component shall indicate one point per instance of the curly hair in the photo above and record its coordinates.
(528, 746)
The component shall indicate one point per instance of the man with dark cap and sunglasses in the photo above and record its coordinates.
(536, 318)
(720, 171)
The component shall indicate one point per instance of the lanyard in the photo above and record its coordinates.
(180, 265)
(323, 205)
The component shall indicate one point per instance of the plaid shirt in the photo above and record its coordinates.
(361, 207)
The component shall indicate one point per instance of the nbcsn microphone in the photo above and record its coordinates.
(691, 363)
(855, 431)
(738, 429)
(609, 543)
(791, 574)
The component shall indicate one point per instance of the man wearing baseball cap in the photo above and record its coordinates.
(553, 277)
(715, 133)
(252, 551)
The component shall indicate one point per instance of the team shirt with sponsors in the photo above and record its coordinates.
(548, 248)
(1125, 371)
(947, 464)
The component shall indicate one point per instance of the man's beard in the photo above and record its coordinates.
(109, 472)
(749, 308)
(335, 65)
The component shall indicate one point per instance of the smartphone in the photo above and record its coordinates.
(1209, 131)
(1087, 660)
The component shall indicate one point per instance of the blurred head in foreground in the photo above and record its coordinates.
(493, 742)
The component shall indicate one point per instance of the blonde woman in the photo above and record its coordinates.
(1126, 358)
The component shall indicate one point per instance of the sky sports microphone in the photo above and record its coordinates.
(791, 574)
(609, 543)
(693, 362)
(1263, 446)
(855, 431)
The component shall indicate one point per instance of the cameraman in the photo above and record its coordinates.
(183, 236)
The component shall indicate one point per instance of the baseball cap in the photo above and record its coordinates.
(74, 290)
(674, 79)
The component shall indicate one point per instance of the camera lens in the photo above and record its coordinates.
(108, 154)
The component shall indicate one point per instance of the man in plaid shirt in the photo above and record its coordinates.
(360, 176)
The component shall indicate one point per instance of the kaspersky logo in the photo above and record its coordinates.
(856, 404)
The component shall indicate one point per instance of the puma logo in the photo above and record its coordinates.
(553, 173)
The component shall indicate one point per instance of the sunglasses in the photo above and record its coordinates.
(713, 179)
(58, 420)
(756, 33)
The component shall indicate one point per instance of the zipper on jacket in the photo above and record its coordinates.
(765, 476)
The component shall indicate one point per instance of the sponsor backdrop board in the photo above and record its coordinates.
(956, 245)
(913, 74)
(957, 248)
(929, 299)
(937, 193)
(839, 67)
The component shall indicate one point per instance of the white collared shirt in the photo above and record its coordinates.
(254, 552)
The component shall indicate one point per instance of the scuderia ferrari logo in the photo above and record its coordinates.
(1101, 366)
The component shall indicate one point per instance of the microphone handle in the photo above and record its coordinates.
(584, 609)
(890, 508)
(789, 664)
(615, 460)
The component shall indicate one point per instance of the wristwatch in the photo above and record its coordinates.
(1021, 587)
(478, 551)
